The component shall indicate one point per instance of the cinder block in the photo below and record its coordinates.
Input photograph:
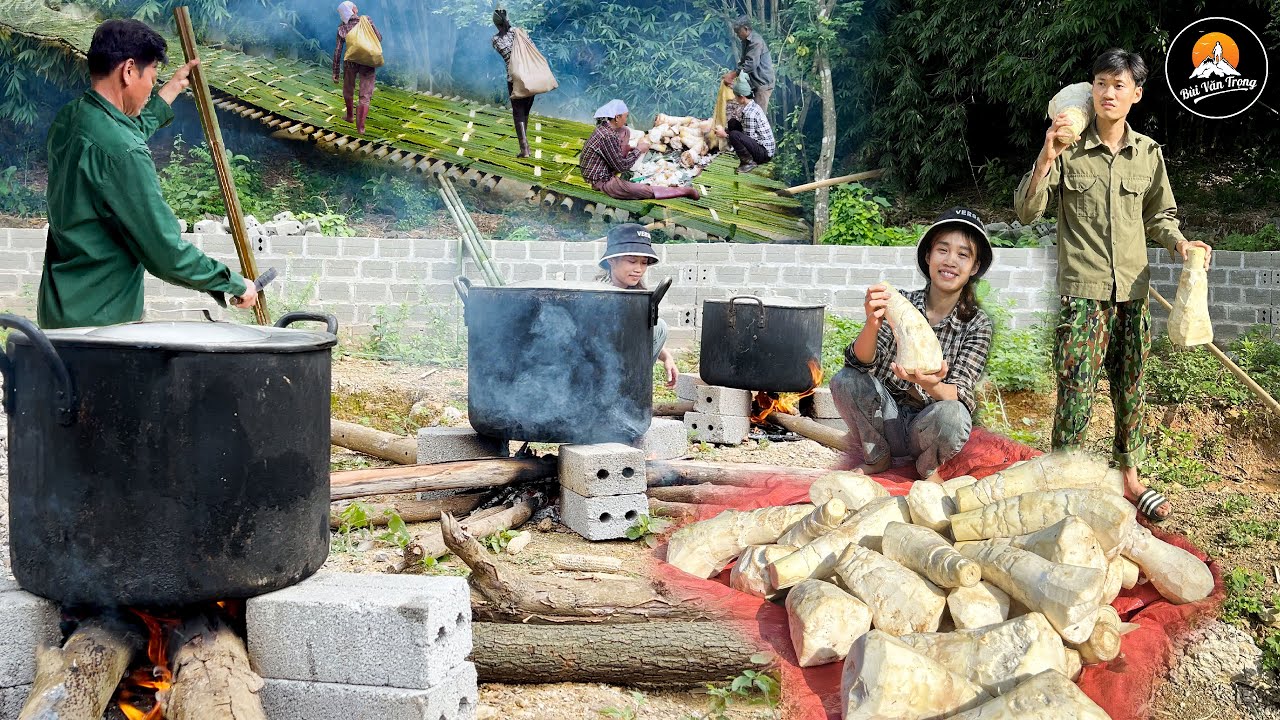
(208, 227)
(26, 621)
(666, 440)
(399, 631)
(601, 518)
(716, 400)
(717, 429)
(820, 404)
(687, 385)
(603, 469)
(446, 444)
(455, 699)
(833, 423)
(12, 700)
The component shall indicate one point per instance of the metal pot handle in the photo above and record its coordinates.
(733, 301)
(65, 397)
(331, 322)
(658, 293)
(463, 286)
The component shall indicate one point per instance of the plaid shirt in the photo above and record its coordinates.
(965, 346)
(503, 44)
(756, 125)
(602, 157)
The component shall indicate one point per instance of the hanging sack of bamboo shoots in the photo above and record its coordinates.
(530, 73)
(363, 45)
(1189, 319)
(1077, 102)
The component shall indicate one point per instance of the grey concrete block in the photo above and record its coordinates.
(447, 444)
(666, 440)
(208, 227)
(455, 699)
(820, 405)
(26, 621)
(687, 384)
(717, 429)
(601, 518)
(716, 400)
(398, 631)
(602, 470)
(11, 701)
(359, 247)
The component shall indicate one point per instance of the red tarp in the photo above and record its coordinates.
(1123, 687)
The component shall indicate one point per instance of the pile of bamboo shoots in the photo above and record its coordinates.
(969, 599)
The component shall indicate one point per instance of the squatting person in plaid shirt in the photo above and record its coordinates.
(924, 417)
(605, 155)
(748, 129)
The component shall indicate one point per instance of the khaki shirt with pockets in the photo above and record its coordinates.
(1108, 204)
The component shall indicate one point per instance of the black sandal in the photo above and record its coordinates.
(1150, 501)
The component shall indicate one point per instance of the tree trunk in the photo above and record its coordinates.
(77, 680)
(660, 655)
(385, 445)
(411, 511)
(212, 679)
(827, 153)
(459, 475)
(662, 473)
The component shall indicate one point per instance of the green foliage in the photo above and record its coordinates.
(409, 202)
(1243, 533)
(648, 528)
(857, 219)
(17, 198)
(1178, 457)
(1020, 359)
(397, 532)
(498, 541)
(1266, 239)
(189, 182)
(1244, 603)
(840, 332)
(1270, 645)
(629, 713)
(1232, 506)
(1193, 376)
(435, 343)
(333, 224)
(752, 687)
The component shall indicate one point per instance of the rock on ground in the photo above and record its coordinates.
(1218, 670)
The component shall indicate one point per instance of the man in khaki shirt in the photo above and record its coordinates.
(1112, 192)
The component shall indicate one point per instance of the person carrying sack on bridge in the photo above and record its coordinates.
(528, 74)
(362, 58)
(605, 155)
(748, 129)
(108, 220)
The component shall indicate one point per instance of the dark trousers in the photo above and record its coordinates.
(520, 108)
(745, 146)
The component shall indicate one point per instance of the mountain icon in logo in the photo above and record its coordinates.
(1215, 68)
(1218, 62)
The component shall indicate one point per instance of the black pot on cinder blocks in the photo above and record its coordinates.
(560, 362)
(770, 345)
(162, 464)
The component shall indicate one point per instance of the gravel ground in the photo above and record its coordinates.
(1217, 673)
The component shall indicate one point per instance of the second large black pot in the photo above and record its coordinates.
(560, 362)
(774, 345)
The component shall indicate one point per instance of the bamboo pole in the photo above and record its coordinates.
(1235, 369)
(482, 257)
(213, 134)
(868, 175)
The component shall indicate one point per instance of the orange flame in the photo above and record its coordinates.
(767, 404)
(149, 681)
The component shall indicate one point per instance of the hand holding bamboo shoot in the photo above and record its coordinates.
(1189, 322)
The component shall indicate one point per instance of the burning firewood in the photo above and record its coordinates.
(77, 680)
(212, 679)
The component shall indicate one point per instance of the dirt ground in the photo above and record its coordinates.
(383, 393)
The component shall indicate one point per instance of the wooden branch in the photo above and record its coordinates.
(811, 429)
(411, 511)
(672, 409)
(77, 680)
(212, 679)
(677, 510)
(385, 445)
(829, 182)
(431, 543)
(695, 472)
(459, 475)
(704, 494)
(585, 563)
(661, 655)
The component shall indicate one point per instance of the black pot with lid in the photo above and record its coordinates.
(761, 344)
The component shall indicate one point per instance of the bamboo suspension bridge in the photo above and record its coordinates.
(468, 141)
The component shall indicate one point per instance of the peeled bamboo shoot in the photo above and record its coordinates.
(1109, 515)
(996, 657)
(1103, 644)
(824, 518)
(928, 553)
(824, 621)
(749, 574)
(1047, 696)
(704, 548)
(1177, 574)
(1077, 102)
(1055, 471)
(901, 601)
(1070, 541)
(930, 506)
(918, 346)
(818, 559)
(885, 679)
(853, 488)
(1189, 322)
(977, 606)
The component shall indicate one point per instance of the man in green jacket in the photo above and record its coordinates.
(107, 218)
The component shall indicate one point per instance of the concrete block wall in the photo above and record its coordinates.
(355, 277)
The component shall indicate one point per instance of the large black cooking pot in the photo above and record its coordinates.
(167, 463)
(560, 362)
(772, 344)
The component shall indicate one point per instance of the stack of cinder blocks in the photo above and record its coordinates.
(720, 415)
(340, 645)
(26, 622)
(602, 489)
(822, 409)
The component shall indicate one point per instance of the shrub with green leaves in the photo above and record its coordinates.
(1266, 239)
(18, 198)
(857, 219)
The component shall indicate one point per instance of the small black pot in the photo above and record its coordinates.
(560, 362)
(168, 463)
(772, 345)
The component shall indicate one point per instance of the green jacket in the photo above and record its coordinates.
(1108, 205)
(108, 220)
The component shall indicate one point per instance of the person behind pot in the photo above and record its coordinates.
(352, 72)
(503, 41)
(748, 129)
(628, 254)
(927, 417)
(606, 154)
(1112, 192)
(108, 220)
(756, 63)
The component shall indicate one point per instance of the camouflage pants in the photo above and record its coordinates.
(1093, 336)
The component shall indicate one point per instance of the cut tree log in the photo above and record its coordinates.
(411, 511)
(659, 656)
(77, 680)
(704, 494)
(431, 544)
(672, 409)
(811, 429)
(662, 473)
(212, 679)
(459, 475)
(385, 445)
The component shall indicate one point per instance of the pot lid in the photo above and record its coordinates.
(778, 302)
(194, 336)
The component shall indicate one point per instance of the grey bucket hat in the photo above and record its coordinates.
(628, 239)
(949, 220)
